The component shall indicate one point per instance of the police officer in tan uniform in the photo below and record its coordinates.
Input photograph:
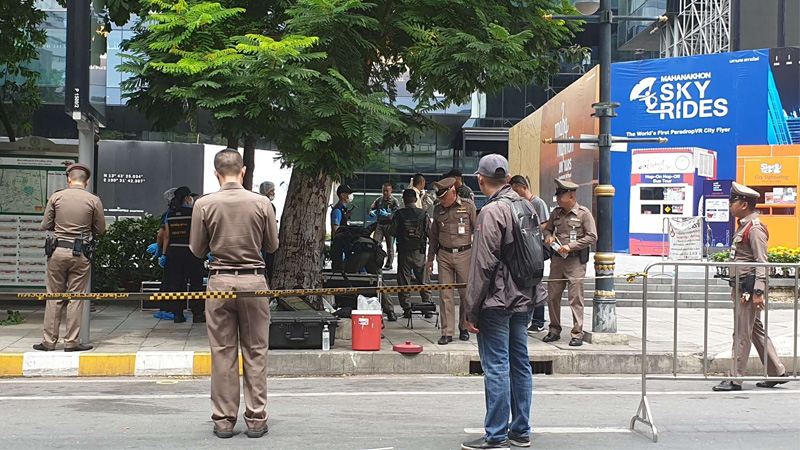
(72, 215)
(235, 224)
(572, 227)
(451, 244)
(750, 245)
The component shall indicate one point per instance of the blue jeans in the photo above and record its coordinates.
(538, 316)
(508, 381)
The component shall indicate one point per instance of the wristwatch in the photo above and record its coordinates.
(758, 292)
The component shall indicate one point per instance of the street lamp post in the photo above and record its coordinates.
(604, 302)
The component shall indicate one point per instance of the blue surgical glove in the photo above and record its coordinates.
(162, 261)
(383, 213)
(372, 213)
(210, 258)
(152, 249)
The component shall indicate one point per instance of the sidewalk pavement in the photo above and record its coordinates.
(129, 341)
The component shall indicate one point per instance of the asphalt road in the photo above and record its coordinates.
(408, 412)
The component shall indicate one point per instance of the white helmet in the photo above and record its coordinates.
(168, 194)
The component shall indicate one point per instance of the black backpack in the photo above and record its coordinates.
(526, 262)
(413, 228)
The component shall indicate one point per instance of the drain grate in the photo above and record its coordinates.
(538, 367)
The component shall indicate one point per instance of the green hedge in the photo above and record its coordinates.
(121, 262)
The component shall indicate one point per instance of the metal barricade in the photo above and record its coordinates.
(644, 412)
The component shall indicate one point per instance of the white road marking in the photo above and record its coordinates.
(309, 379)
(560, 430)
(387, 393)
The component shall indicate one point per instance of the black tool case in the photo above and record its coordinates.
(300, 329)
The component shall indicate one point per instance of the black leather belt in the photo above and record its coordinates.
(68, 244)
(237, 272)
(456, 250)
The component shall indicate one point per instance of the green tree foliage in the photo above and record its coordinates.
(319, 78)
(20, 35)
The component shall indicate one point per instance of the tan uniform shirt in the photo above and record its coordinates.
(751, 249)
(73, 213)
(452, 227)
(562, 222)
(235, 225)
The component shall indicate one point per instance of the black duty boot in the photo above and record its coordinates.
(79, 348)
(551, 337)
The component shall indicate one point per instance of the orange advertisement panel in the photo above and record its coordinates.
(568, 115)
(771, 171)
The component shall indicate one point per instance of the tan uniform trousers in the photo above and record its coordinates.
(572, 270)
(65, 273)
(230, 321)
(453, 268)
(751, 332)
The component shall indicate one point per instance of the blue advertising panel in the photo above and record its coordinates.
(716, 196)
(710, 102)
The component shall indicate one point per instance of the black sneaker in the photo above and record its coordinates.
(444, 340)
(391, 316)
(463, 335)
(482, 443)
(179, 318)
(519, 441)
(536, 328)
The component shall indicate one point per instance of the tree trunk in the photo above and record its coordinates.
(233, 142)
(249, 161)
(6, 122)
(298, 262)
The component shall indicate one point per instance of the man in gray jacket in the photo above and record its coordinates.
(498, 311)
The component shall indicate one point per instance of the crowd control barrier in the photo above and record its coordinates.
(644, 412)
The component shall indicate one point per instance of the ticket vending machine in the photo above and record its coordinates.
(665, 182)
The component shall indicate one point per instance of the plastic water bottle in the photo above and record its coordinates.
(326, 339)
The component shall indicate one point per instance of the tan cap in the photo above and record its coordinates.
(79, 166)
(564, 186)
(442, 186)
(740, 191)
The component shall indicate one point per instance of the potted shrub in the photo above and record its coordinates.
(783, 255)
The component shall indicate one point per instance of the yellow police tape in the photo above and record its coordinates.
(164, 296)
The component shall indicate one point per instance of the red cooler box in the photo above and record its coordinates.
(367, 330)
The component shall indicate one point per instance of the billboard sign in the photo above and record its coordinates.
(714, 102)
(568, 115)
(133, 175)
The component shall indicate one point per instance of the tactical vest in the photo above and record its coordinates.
(411, 229)
(180, 222)
(345, 214)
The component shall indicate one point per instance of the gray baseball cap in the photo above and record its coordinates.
(493, 166)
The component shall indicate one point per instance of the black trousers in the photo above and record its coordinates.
(183, 268)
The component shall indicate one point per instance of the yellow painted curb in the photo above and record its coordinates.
(202, 363)
(107, 364)
(11, 364)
